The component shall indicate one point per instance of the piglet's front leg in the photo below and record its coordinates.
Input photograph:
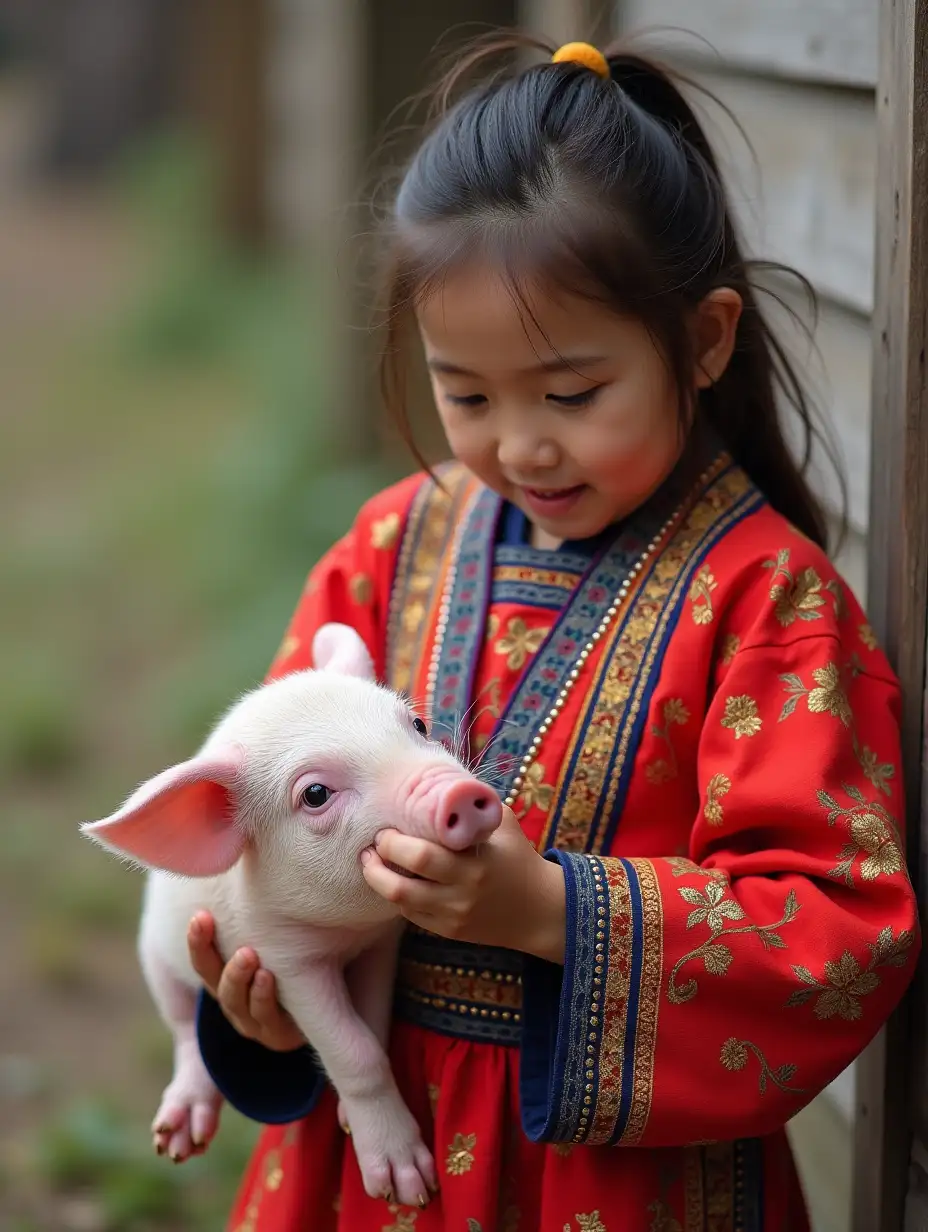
(394, 1161)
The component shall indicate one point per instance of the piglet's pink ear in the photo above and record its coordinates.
(338, 648)
(182, 820)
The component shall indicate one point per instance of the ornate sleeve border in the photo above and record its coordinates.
(589, 1028)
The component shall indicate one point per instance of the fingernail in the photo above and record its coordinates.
(388, 1195)
(262, 982)
(366, 857)
(159, 1147)
(422, 1202)
(193, 928)
(197, 1141)
(241, 960)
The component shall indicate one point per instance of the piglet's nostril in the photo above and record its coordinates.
(452, 821)
(480, 802)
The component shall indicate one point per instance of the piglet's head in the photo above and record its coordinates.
(301, 774)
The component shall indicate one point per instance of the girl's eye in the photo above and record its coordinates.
(315, 795)
(469, 400)
(583, 399)
(420, 726)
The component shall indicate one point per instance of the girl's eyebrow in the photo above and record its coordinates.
(565, 363)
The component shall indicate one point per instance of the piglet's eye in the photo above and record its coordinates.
(314, 796)
(420, 726)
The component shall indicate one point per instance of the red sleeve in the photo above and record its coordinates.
(351, 584)
(711, 997)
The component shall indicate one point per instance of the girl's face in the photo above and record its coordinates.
(573, 416)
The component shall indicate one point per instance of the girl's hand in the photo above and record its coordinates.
(501, 894)
(245, 991)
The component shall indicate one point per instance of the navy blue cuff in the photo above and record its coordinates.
(273, 1088)
(558, 1069)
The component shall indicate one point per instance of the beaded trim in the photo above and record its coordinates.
(611, 612)
(471, 992)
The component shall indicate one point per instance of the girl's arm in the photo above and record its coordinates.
(712, 997)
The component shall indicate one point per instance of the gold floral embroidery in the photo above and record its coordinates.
(492, 626)
(384, 531)
(686, 868)
(713, 908)
(564, 1149)
(701, 596)
(460, 1154)
(872, 830)
(405, 1219)
(661, 770)
(829, 697)
(434, 1092)
(741, 716)
(868, 637)
(519, 643)
(719, 785)
(587, 1223)
(844, 980)
(731, 644)
(535, 791)
(734, 1056)
(798, 597)
(876, 772)
(836, 590)
(362, 589)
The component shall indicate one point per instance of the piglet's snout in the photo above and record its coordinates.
(458, 809)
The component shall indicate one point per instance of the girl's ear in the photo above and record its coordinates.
(715, 327)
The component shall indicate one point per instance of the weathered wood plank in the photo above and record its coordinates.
(892, 1072)
(819, 40)
(808, 197)
(836, 372)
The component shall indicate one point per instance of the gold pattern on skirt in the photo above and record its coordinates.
(461, 1154)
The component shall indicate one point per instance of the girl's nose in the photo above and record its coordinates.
(525, 455)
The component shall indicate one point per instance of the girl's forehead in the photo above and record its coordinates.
(475, 318)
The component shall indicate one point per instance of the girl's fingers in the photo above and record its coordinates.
(419, 856)
(204, 957)
(421, 897)
(278, 1030)
(234, 992)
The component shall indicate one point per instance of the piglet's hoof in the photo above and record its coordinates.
(394, 1161)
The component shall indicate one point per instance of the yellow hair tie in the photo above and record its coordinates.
(582, 53)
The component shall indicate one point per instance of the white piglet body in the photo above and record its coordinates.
(264, 828)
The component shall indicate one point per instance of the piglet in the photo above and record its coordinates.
(264, 828)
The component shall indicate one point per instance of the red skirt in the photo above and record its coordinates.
(465, 1095)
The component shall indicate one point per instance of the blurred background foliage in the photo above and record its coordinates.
(166, 485)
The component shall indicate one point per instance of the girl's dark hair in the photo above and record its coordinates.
(606, 188)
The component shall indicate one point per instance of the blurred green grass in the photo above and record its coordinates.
(161, 514)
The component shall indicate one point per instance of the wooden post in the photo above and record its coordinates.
(892, 1101)
(226, 80)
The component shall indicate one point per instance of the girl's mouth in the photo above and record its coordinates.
(553, 502)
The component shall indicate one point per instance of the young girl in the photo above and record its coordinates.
(696, 912)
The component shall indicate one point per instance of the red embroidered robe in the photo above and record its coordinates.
(693, 718)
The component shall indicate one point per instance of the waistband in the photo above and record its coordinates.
(466, 991)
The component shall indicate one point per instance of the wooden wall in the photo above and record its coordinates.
(800, 77)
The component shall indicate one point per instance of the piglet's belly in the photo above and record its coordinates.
(169, 904)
